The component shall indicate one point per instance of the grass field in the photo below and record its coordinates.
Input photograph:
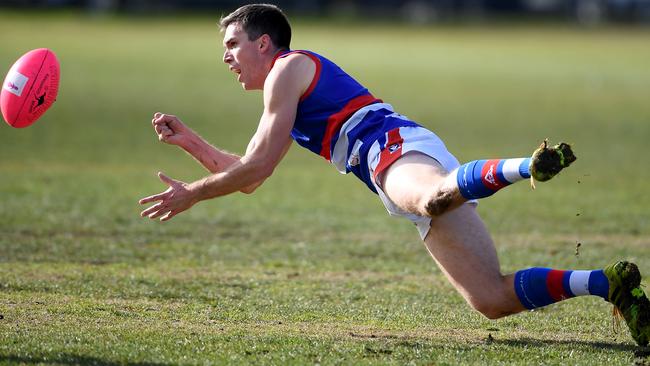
(310, 269)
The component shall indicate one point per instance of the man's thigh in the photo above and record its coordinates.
(412, 179)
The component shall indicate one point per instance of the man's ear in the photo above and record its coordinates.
(265, 43)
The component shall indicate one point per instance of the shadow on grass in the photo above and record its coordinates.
(527, 342)
(70, 359)
(641, 354)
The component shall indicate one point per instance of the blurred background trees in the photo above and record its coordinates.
(585, 12)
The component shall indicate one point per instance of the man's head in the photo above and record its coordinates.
(253, 34)
(259, 19)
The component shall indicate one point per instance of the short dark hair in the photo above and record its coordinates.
(259, 19)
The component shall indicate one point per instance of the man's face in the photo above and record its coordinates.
(244, 57)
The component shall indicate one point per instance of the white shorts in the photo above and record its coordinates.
(399, 142)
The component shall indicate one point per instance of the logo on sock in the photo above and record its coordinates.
(488, 176)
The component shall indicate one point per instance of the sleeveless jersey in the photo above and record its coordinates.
(336, 107)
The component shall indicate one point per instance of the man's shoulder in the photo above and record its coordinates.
(308, 53)
(296, 64)
(296, 70)
(298, 57)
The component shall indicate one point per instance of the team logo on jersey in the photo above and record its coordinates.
(354, 160)
(394, 147)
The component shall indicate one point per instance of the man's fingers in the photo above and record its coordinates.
(158, 213)
(152, 198)
(150, 210)
(167, 180)
(168, 216)
(157, 118)
(160, 196)
(163, 118)
(163, 133)
(164, 137)
(159, 128)
(165, 208)
(159, 122)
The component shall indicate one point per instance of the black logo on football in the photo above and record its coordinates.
(40, 100)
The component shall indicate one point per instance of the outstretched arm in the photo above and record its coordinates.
(285, 83)
(171, 130)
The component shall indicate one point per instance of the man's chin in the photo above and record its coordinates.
(249, 87)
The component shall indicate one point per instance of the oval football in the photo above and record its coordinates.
(30, 87)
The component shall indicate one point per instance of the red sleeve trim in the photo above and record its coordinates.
(316, 77)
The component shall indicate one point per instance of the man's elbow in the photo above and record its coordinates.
(250, 189)
(264, 172)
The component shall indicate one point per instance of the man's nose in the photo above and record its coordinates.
(227, 57)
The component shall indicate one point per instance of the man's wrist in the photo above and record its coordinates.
(199, 190)
(192, 144)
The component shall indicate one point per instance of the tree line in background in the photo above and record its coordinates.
(587, 12)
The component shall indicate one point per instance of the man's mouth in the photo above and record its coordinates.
(237, 72)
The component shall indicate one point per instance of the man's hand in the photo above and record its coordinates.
(170, 129)
(176, 199)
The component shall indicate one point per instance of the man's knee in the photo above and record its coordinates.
(493, 304)
(492, 309)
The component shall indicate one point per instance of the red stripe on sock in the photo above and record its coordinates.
(489, 175)
(555, 286)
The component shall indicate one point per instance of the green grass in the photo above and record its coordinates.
(310, 269)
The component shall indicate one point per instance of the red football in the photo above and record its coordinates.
(30, 87)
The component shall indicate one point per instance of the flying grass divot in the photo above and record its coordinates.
(547, 162)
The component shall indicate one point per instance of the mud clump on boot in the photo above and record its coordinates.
(547, 162)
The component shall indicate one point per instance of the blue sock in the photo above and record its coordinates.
(482, 178)
(537, 287)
